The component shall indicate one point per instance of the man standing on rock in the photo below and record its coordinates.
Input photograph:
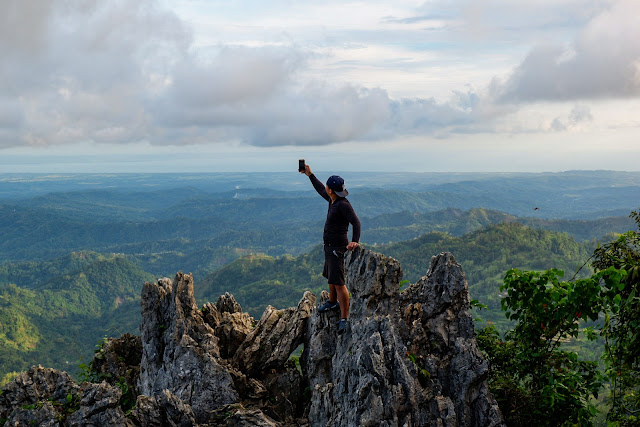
(336, 242)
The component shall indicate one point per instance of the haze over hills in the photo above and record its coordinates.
(76, 249)
(145, 214)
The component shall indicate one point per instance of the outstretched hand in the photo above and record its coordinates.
(353, 246)
(306, 171)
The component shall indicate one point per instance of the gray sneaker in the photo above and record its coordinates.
(328, 306)
(342, 325)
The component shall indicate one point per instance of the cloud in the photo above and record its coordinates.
(23, 25)
(122, 72)
(275, 112)
(602, 62)
(119, 72)
(236, 75)
(80, 70)
(254, 95)
(580, 114)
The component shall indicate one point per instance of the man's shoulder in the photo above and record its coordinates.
(342, 201)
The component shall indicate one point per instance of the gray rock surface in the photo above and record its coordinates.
(407, 359)
(164, 409)
(180, 351)
(117, 361)
(275, 337)
(229, 323)
(48, 397)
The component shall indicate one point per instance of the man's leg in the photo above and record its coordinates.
(343, 298)
(333, 302)
(332, 293)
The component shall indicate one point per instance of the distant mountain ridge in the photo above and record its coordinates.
(272, 225)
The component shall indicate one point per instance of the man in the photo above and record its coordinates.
(339, 215)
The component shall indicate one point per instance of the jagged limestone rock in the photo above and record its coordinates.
(228, 304)
(181, 347)
(441, 331)
(164, 409)
(287, 395)
(237, 415)
(275, 337)
(48, 397)
(99, 406)
(407, 358)
(44, 415)
(118, 361)
(230, 324)
(180, 351)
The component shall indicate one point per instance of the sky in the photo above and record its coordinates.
(254, 85)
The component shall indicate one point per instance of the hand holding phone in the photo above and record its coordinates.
(301, 165)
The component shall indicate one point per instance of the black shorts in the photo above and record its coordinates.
(334, 264)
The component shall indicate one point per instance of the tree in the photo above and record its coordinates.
(621, 328)
(538, 383)
(535, 381)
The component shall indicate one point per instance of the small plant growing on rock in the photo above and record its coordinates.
(423, 375)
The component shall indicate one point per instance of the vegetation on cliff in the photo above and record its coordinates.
(538, 381)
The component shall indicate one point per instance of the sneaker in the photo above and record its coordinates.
(328, 306)
(342, 326)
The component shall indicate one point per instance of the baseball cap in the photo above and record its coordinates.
(337, 185)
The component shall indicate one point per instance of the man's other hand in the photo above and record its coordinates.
(353, 245)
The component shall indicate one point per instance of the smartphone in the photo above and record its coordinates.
(301, 166)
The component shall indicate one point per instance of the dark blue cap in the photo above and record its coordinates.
(336, 184)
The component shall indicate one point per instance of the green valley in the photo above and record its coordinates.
(57, 320)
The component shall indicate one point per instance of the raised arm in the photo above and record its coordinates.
(319, 186)
(322, 191)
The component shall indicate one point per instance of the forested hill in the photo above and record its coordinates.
(399, 226)
(485, 256)
(56, 313)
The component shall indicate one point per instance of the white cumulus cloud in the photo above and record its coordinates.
(603, 61)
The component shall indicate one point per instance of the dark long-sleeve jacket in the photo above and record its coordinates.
(339, 215)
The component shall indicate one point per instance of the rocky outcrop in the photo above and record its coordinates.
(47, 397)
(117, 362)
(217, 357)
(407, 359)
(275, 337)
(230, 324)
(164, 409)
(180, 351)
